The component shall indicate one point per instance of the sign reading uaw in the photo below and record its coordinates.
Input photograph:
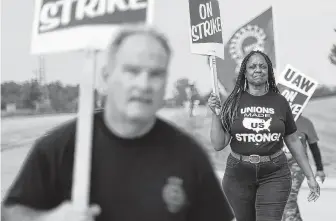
(64, 25)
(206, 28)
(297, 88)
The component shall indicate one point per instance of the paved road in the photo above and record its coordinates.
(20, 131)
(322, 210)
(18, 134)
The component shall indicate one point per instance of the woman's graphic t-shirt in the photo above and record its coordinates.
(261, 124)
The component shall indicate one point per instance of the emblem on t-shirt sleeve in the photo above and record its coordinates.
(173, 194)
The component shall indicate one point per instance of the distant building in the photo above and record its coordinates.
(43, 106)
(11, 107)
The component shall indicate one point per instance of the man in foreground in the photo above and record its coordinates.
(142, 167)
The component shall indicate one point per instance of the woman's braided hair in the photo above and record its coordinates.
(230, 107)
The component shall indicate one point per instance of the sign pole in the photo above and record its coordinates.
(212, 62)
(276, 42)
(84, 129)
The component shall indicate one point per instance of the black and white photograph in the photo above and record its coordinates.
(168, 110)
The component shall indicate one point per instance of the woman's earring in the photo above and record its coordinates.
(267, 86)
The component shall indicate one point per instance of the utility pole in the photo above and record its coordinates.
(41, 79)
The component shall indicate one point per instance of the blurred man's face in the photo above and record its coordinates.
(136, 78)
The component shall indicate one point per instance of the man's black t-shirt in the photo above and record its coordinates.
(164, 175)
(261, 124)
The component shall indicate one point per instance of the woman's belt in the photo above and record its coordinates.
(254, 158)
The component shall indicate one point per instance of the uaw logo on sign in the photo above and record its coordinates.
(297, 88)
(206, 28)
(63, 25)
(247, 39)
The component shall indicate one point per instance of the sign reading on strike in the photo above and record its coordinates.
(297, 88)
(63, 25)
(206, 28)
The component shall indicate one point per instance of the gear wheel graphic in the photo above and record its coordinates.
(236, 49)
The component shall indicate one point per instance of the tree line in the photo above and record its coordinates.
(31, 94)
(64, 98)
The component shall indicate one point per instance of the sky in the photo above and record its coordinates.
(304, 33)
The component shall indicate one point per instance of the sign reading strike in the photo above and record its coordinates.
(297, 88)
(63, 25)
(206, 28)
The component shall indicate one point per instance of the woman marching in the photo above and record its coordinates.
(255, 119)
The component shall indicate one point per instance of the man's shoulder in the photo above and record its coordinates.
(180, 138)
(304, 120)
(62, 133)
(304, 123)
(57, 137)
(173, 130)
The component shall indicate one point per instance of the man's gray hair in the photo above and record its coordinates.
(129, 30)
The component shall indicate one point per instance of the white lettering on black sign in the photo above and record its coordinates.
(290, 96)
(209, 25)
(66, 13)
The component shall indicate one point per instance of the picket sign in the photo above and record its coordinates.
(87, 28)
(206, 34)
(297, 88)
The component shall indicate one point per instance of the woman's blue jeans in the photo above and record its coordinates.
(257, 192)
